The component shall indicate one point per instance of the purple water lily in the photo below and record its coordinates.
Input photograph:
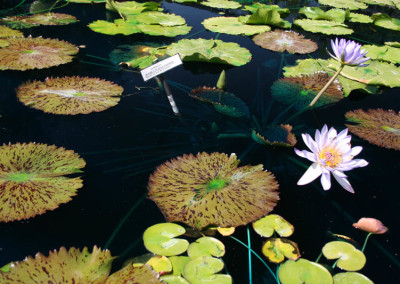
(348, 52)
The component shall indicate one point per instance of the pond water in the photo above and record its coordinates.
(124, 144)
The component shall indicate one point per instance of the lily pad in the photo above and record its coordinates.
(359, 18)
(276, 249)
(62, 266)
(31, 179)
(210, 189)
(232, 26)
(385, 21)
(160, 239)
(137, 273)
(178, 263)
(159, 18)
(70, 95)
(351, 277)
(87, 1)
(206, 246)
(226, 231)
(377, 126)
(118, 27)
(158, 30)
(383, 53)
(280, 41)
(349, 258)
(209, 50)
(269, 224)
(324, 27)
(275, 135)
(345, 4)
(256, 5)
(129, 8)
(29, 21)
(203, 270)
(316, 13)
(265, 16)
(35, 53)
(4, 43)
(8, 32)
(303, 271)
(221, 4)
(160, 264)
(174, 279)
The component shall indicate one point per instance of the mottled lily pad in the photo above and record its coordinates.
(4, 43)
(223, 102)
(265, 16)
(209, 50)
(160, 239)
(29, 21)
(385, 21)
(232, 26)
(8, 32)
(203, 270)
(275, 135)
(351, 278)
(62, 266)
(349, 258)
(137, 273)
(221, 4)
(316, 13)
(345, 4)
(269, 224)
(383, 53)
(210, 189)
(206, 246)
(31, 53)
(303, 271)
(70, 95)
(324, 27)
(377, 126)
(280, 41)
(277, 249)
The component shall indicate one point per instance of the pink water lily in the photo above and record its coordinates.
(331, 154)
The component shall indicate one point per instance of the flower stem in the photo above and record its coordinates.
(365, 242)
(326, 86)
(249, 255)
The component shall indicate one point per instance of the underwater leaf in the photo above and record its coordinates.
(221, 4)
(8, 32)
(280, 41)
(383, 53)
(213, 51)
(345, 4)
(256, 5)
(35, 53)
(70, 95)
(136, 273)
(351, 277)
(275, 135)
(264, 16)
(232, 26)
(349, 258)
(377, 126)
(157, 30)
(316, 13)
(62, 266)
(31, 179)
(325, 27)
(129, 8)
(271, 223)
(385, 21)
(159, 18)
(276, 249)
(210, 189)
(359, 18)
(206, 246)
(203, 269)
(303, 271)
(223, 102)
(118, 27)
(29, 21)
(160, 239)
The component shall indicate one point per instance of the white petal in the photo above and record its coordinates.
(355, 151)
(311, 174)
(309, 142)
(344, 183)
(332, 133)
(342, 134)
(306, 154)
(339, 174)
(326, 181)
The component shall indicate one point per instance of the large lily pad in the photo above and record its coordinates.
(31, 179)
(29, 21)
(203, 270)
(280, 41)
(316, 13)
(70, 95)
(158, 30)
(129, 8)
(303, 271)
(209, 50)
(346, 4)
(271, 223)
(159, 18)
(349, 258)
(209, 189)
(256, 5)
(137, 273)
(31, 53)
(383, 53)
(221, 4)
(62, 266)
(118, 27)
(385, 21)
(265, 16)
(324, 27)
(277, 249)
(232, 26)
(351, 278)
(275, 135)
(378, 126)
(206, 246)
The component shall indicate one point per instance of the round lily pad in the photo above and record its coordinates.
(206, 246)
(351, 278)
(221, 4)
(226, 231)
(29, 21)
(160, 239)
(383, 53)
(31, 179)
(280, 41)
(203, 269)
(385, 21)
(324, 27)
(160, 264)
(232, 26)
(349, 258)
(8, 32)
(158, 30)
(316, 13)
(377, 126)
(303, 271)
(345, 4)
(275, 135)
(136, 273)
(276, 249)
(271, 223)
(31, 53)
(174, 279)
(118, 27)
(159, 18)
(178, 263)
(70, 95)
(210, 189)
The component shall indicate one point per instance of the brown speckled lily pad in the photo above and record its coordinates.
(210, 189)
(32, 179)
(280, 41)
(31, 53)
(377, 126)
(136, 273)
(275, 135)
(70, 95)
(8, 32)
(29, 21)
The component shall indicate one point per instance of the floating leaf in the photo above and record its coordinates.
(62, 266)
(393, 43)
(29, 21)
(214, 51)
(129, 8)
(275, 135)
(265, 16)
(303, 271)
(221, 4)
(280, 41)
(324, 27)
(70, 95)
(351, 277)
(226, 231)
(206, 246)
(137, 273)
(232, 26)
(276, 249)
(271, 223)
(359, 18)
(4, 43)
(157, 30)
(203, 270)
(223, 102)
(256, 5)
(385, 21)
(118, 27)
(383, 53)
(349, 258)
(87, 1)
(345, 4)
(8, 32)
(209, 189)
(173, 279)
(178, 263)
(160, 264)
(159, 18)
(377, 126)
(316, 13)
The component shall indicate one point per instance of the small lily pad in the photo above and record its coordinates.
(206, 246)
(226, 231)
(203, 270)
(221, 4)
(359, 18)
(351, 278)
(271, 223)
(276, 249)
(160, 239)
(303, 271)
(137, 273)
(275, 135)
(385, 21)
(29, 21)
(119, 26)
(345, 4)
(232, 26)
(160, 264)
(178, 263)
(324, 27)
(349, 258)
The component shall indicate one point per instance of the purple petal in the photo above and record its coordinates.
(310, 143)
(311, 174)
(326, 181)
(306, 154)
(344, 183)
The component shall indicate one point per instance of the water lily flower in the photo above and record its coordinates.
(371, 225)
(331, 154)
(348, 52)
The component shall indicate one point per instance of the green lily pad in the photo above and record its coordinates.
(393, 3)
(324, 27)
(157, 30)
(178, 263)
(345, 4)
(264, 16)
(118, 27)
(173, 279)
(62, 266)
(383, 53)
(159, 18)
(303, 271)
(136, 273)
(129, 8)
(206, 246)
(87, 1)
(276, 249)
(385, 21)
(213, 51)
(351, 278)
(203, 270)
(31, 179)
(349, 258)
(185, 1)
(359, 18)
(232, 26)
(275, 135)
(221, 4)
(316, 13)
(160, 239)
(8, 32)
(223, 102)
(29, 21)
(160, 264)
(393, 43)
(256, 5)
(269, 224)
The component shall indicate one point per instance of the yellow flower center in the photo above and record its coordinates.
(330, 156)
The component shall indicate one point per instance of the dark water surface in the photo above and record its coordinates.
(125, 143)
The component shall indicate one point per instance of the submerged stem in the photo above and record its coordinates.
(249, 255)
(365, 242)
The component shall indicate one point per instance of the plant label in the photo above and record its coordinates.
(161, 67)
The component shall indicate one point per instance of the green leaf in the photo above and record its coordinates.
(359, 18)
(173, 279)
(128, 8)
(136, 273)
(232, 25)
(303, 271)
(203, 270)
(221, 4)
(269, 224)
(221, 84)
(346, 4)
(178, 263)
(351, 278)
(349, 258)
(159, 18)
(275, 135)
(385, 21)
(158, 30)
(256, 5)
(383, 53)
(325, 27)
(276, 249)
(206, 246)
(316, 13)
(265, 16)
(118, 27)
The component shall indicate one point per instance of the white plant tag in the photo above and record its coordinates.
(161, 67)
